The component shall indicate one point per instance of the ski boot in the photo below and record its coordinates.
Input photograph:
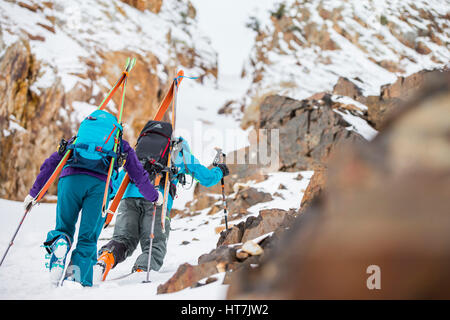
(57, 253)
(137, 269)
(104, 264)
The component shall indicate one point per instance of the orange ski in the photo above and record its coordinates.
(158, 117)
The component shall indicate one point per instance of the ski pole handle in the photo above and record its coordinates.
(218, 155)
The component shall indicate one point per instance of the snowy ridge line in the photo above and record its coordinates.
(62, 36)
(289, 64)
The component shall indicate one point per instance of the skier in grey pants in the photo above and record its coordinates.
(135, 213)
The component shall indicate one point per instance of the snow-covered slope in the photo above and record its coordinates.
(303, 47)
(64, 34)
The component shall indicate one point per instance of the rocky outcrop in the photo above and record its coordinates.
(31, 123)
(24, 111)
(308, 130)
(242, 245)
(304, 47)
(315, 187)
(386, 205)
(391, 97)
(243, 200)
(152, 5)
(267, 221)
(243, 168)
(186, 276)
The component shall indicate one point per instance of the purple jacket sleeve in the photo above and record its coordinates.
(45, 172)
(138, 174)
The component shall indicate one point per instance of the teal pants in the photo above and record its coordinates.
(80, 193)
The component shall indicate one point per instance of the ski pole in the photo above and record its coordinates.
(215, 163)
(152, 235)
(28, 209)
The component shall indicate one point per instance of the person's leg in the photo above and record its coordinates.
(60, 239)
(67, 209)
(126, 231)
(84, 256)
(159, 246)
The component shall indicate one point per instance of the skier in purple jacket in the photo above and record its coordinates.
(82, 189)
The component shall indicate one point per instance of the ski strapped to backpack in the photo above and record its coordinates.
(166, 102)
(117, 142)
(167, 182)
(128, 66)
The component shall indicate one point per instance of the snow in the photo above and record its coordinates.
(286, 199)
(289, 198)
(82, 110)
(13, 126)
(358, 124)
(224, 22)
(348, 100)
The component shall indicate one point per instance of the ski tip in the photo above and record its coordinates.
(179, 77)
(131, 65)
(127, 63)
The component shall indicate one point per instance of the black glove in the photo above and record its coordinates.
(224, 169)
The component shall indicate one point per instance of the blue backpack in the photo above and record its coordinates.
(93, 148)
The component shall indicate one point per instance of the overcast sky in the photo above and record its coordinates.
(224, 22)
